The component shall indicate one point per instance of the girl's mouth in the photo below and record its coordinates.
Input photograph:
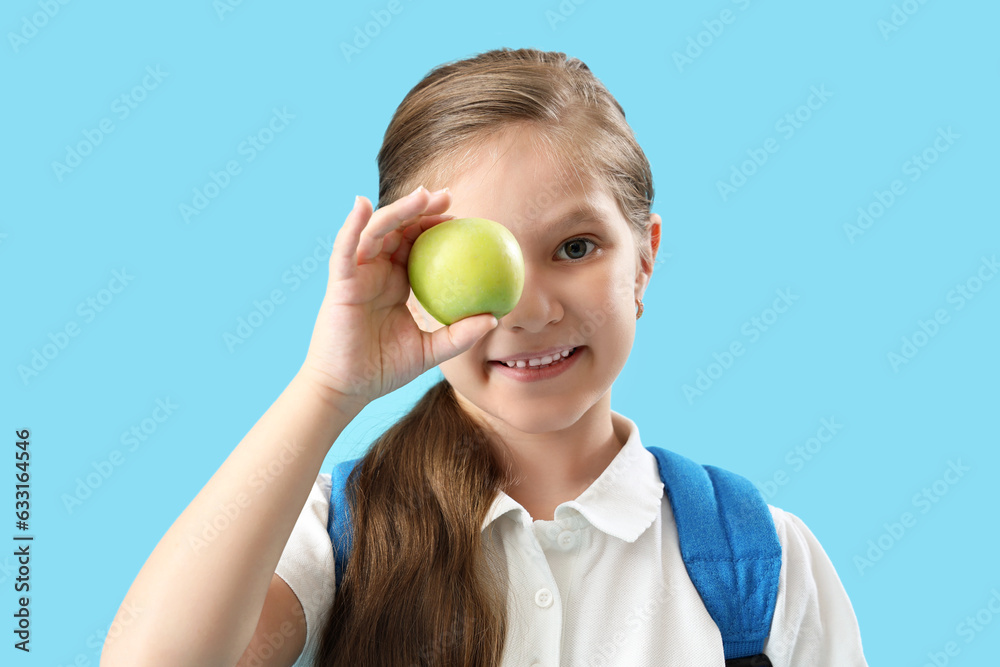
(540, 363)
(522, 370)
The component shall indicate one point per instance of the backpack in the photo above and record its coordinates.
(727, 540)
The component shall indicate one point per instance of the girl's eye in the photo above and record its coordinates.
(577, 248)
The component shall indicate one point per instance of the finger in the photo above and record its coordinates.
(389, 218)
(450, 341)
(343, 262)
(397, 215)
(438, 203)
(400, 243)
(392, 241)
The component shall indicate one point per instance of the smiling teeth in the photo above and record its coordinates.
(541, 361)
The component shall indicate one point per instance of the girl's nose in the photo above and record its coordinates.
(538, 306)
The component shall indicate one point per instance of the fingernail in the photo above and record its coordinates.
(442, 190)
(419, 188)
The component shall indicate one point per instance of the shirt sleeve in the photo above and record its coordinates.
(814, 623)
(306, 565)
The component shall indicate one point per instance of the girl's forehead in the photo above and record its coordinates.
(527, 198)
(525, 182)
(523, 160)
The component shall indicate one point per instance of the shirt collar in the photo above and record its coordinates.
(622, 502)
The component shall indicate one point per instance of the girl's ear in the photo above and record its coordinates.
(655, 223)
(652, 242)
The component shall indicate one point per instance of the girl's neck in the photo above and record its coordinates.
(555, 467)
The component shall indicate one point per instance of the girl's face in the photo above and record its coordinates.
(582, 276)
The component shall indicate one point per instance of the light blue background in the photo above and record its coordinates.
(721, 262)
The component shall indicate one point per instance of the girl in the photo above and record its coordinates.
(511, 517)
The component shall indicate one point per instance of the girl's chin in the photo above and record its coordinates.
(541, 413)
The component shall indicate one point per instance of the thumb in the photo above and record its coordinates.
(452, 340)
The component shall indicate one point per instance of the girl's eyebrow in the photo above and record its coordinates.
(573, 217)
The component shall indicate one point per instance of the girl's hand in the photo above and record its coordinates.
(366, 343)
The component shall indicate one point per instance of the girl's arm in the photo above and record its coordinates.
(198, 598)
(281, 632)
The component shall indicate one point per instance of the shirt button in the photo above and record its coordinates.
(567, 540)
(543, 598)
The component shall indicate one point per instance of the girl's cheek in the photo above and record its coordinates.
(612, 285)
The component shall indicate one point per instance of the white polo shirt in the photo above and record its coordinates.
(603, 584)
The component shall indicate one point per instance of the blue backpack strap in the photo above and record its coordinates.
(338, 523)
(730, 549)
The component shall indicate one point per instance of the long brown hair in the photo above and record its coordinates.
(422, 585)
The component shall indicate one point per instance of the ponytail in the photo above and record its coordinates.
(421, 587)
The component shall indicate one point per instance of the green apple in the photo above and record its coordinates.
(464, 267)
